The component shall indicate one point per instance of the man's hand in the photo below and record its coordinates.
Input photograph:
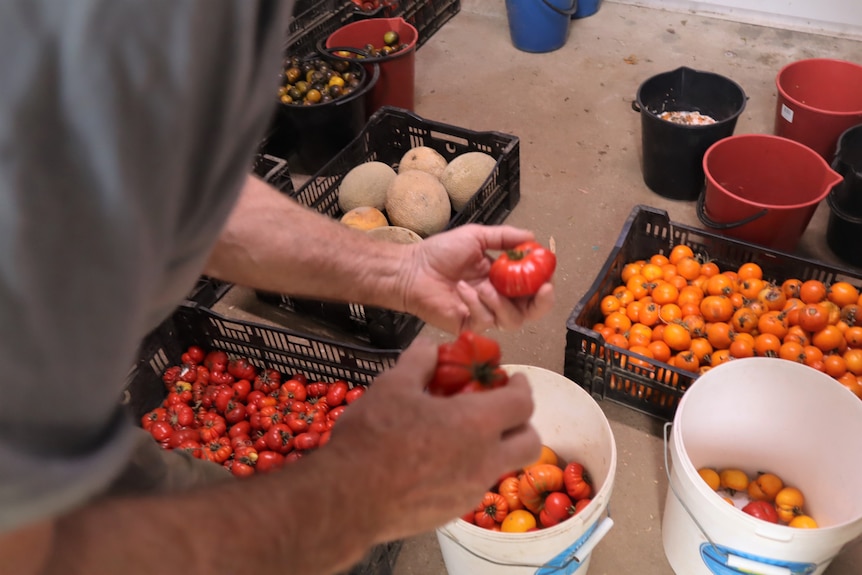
(447, 284)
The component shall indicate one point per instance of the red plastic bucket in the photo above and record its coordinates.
(396, 85)
(763, 189)
(818, 99)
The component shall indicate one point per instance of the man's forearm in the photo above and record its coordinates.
(255, 525)
(272, 243)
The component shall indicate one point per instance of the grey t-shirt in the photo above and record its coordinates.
(126, 130)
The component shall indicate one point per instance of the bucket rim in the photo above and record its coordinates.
(410, 49)
(816, 61)
(729, 140)
(685, 69)
(838, 212)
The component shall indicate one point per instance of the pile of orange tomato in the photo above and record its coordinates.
(683, 310)
(538, 496)
(765, 497)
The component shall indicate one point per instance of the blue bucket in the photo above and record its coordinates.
(540, 25)
(586, 8)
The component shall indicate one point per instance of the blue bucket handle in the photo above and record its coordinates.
(567, 13)
(709, 222)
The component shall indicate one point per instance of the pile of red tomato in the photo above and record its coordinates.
(539, 496)
(681, 309)
(250, 420)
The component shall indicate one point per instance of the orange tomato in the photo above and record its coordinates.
(842, 293)
(812, 291)
(828, 338)
(624, 295)
(791, 288)
(718, 334)
(710, 476)
(639, 334)
(740, 348)
(686, 360)
(813, 354)
(772, 297)
(709, 269)
(670, 312)
(508, 488)
(788, 503)
(719, 356)
(744, 320)
(851, 314)
(639, 286)
(750, 287)
(749, 270)
(648, 314)
(651, 272)
(701, 349)
(813, 317)
(677, 337)
(610, 304)
(695, 324)
(518, 521)
(630, 269)
(633, 310)
(852, 383)
(664, 293)
(733, 480)
(765, 487)
(803, 522)
(774, 322)
(716, 308)
(796, 333)
(853, 361)
(617, 339)
(834, 365)
(792, 350)
(720, 284)
(689, 268)
(690, 294)
(679, 252)
(660, 350)
(659, 259)
(767, 345)
(618, 322)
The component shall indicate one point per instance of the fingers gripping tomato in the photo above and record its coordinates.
(521, 271)
(470, 363)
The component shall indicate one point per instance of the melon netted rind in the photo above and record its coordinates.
(365, 185)
(424, 159)
(464, 176)
(416, 200)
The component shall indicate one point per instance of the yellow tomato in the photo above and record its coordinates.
(711, 477)
(548, 455)
(803, 522)
(788, 503)
(734, 480)
(765, 487)
(518, 521)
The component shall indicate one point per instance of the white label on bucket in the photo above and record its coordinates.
(786, 113)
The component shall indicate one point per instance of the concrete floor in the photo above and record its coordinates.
(580, 177)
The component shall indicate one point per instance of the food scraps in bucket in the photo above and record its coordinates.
(688, 118)
(390, 45)
(765, 497)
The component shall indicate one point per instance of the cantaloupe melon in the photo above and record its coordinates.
(424, 159)
(364, 218)
(416, 200)
(365, 185)
(395, 234)
(464, 175)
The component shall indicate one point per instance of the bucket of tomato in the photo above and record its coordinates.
(563, 497)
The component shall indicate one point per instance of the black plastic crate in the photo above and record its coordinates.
(315, 23)
(387, 136)
(273, 170)
(266, 347)
(208, 291)
(643, 384)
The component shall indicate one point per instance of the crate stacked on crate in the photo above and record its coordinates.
(427, 16)
(266, 347)
(639, 382)
(388, 135)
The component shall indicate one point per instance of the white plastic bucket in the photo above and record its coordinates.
(763, 414)
(573, 425)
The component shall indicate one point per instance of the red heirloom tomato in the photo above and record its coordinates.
(577, 481)
(558, 507)
(491, 510)
(522, 271)
(762, 510)
(468, 364)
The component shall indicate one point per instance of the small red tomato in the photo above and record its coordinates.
(354, 394)
(522, 270)
(762, 510)
(468, 364)
(195, 353)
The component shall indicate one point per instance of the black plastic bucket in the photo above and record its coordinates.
(316, 133)
(673, 152)
(848, 163)
(843, 231)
